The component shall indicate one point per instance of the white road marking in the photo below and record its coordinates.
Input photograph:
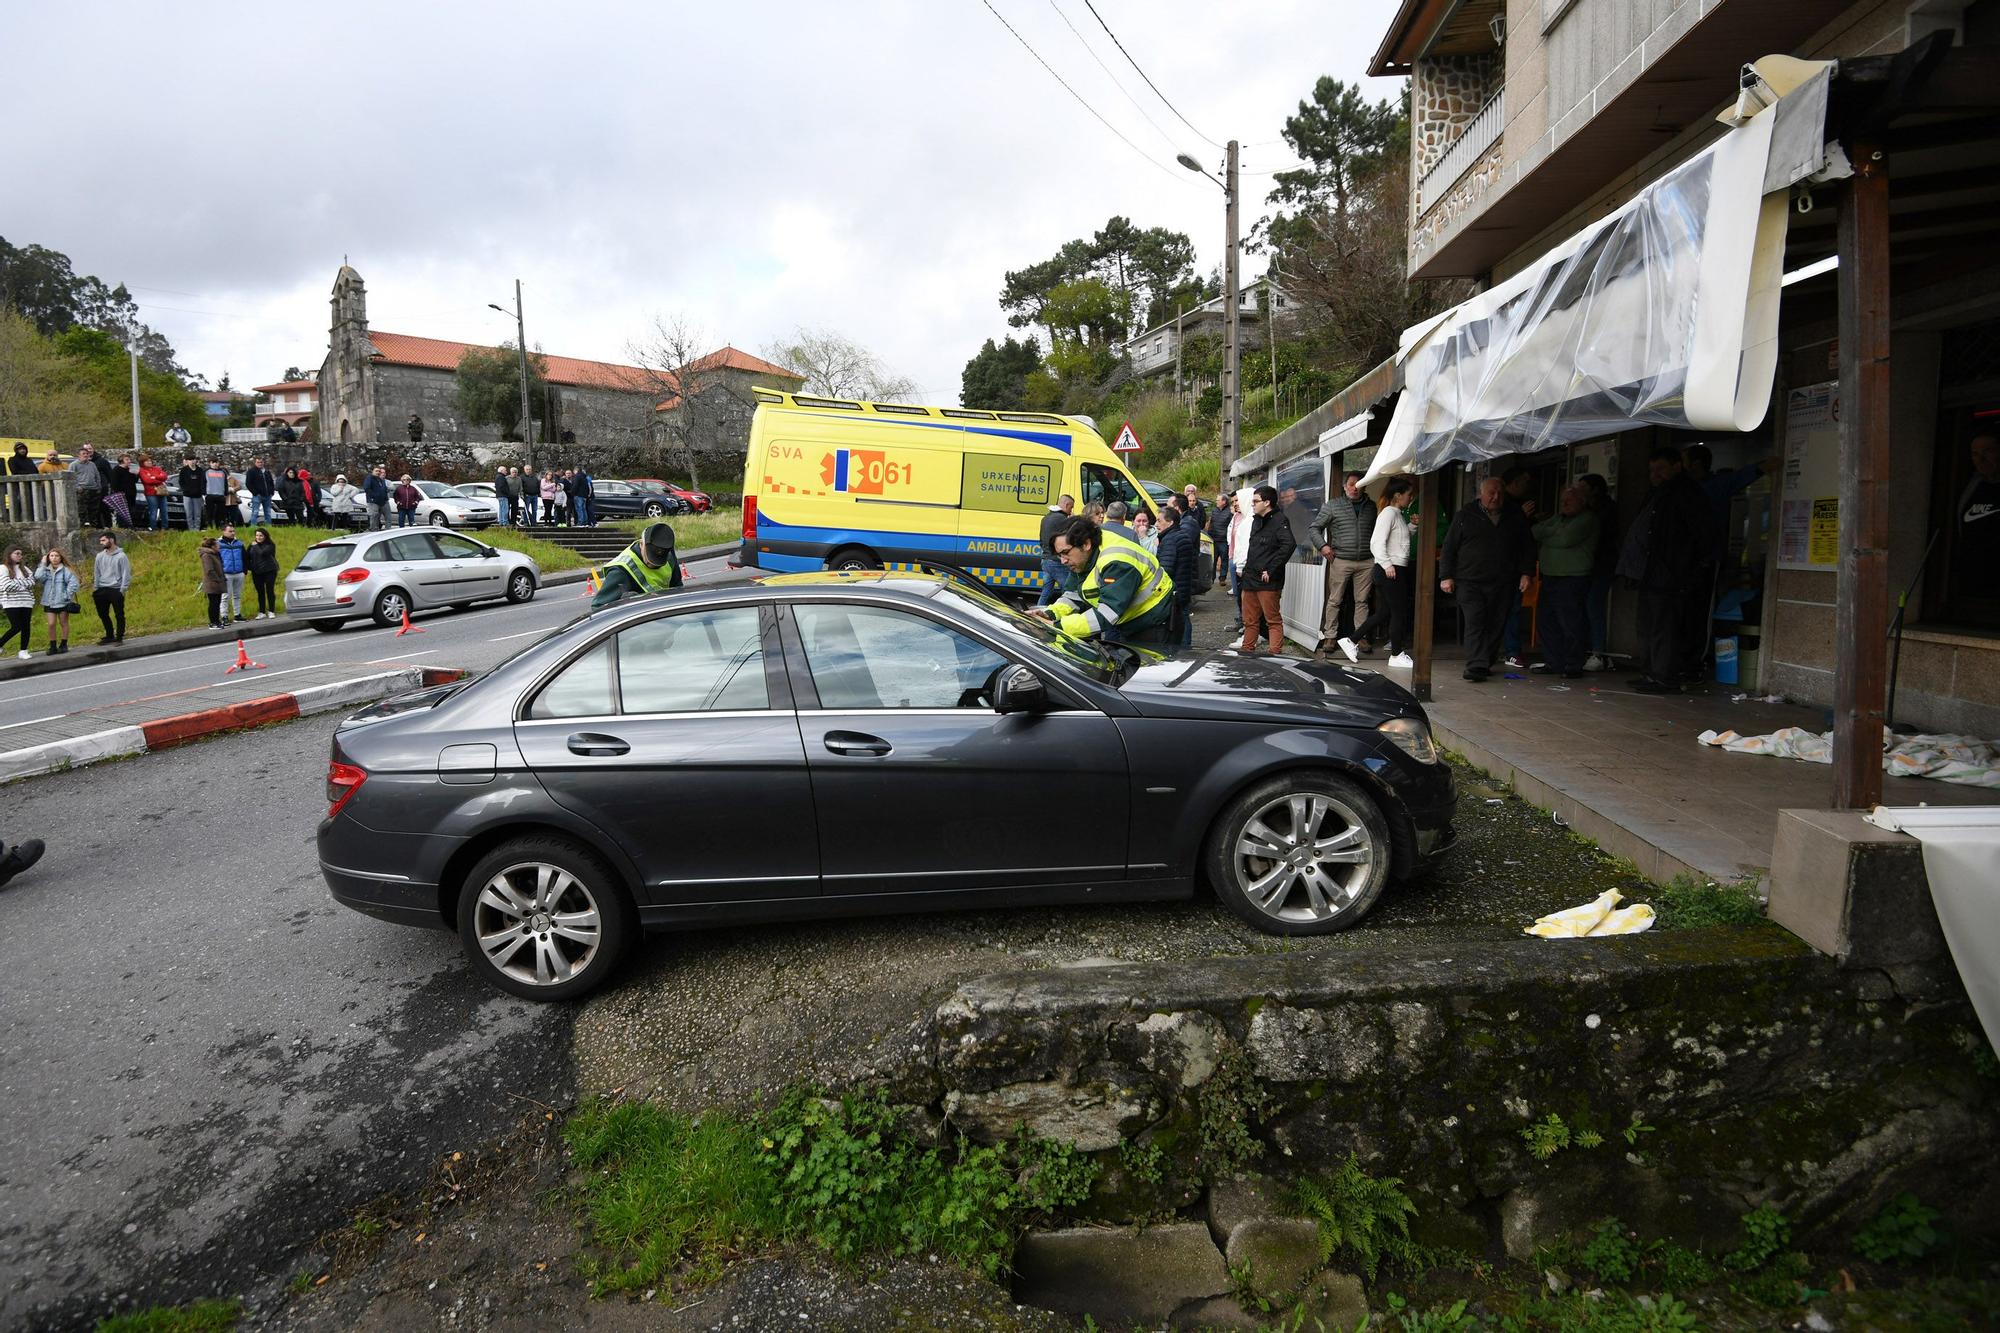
(52, 717)
(384, 661)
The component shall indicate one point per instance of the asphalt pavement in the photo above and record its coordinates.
(206, 1062)
(473, 639)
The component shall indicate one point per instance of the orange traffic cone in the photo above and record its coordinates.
(590, 584)
(243, 662)
(408, 628)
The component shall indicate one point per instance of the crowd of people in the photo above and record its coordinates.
(556, 497)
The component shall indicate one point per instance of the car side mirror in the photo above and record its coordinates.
(1020, 690)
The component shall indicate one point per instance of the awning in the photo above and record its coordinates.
(1664, 313)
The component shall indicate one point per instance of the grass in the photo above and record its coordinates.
(1684, 903)
(213, 1316)
(166, 577)
(717, 526)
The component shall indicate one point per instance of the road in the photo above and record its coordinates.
(473, 639)
(207, 1062)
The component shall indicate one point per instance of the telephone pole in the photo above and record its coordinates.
(521, 346)
(1232, 382)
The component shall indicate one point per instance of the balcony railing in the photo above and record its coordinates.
(42, 500)
(1479, 134)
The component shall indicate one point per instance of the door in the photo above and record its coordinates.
(921, 786)
(612, 498)
(411, 561)
(677, 737)
(473, 571)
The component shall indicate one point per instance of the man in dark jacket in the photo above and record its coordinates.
(1269, 551)
(1487, 558)
(1666, 553)
(20, 465)
(1341, 533)
(1179, 540)
(414, 427)
(262, 486)
(1053, 572)
(1218, 531)
(193, 486)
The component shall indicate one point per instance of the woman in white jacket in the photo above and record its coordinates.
(1390, 546)
(17, 599)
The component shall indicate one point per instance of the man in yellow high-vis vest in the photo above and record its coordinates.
(1116, 588)
(645, 567)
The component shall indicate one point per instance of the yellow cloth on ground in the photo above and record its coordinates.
(1600, 916)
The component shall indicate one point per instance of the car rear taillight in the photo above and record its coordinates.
(347, 576)
(749, 518)
(342, 781)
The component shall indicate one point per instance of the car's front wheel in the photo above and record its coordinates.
(1304, 854)
(520, 586)
(543, 918)
(439, 519)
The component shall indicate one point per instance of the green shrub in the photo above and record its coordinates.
(1366, 1218)
(1610, 1253)
(1901, 1232)
(1766, 1233)
(1683, 904)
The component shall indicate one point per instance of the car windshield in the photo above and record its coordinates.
(326, 555)
(1109, 663)
(437, 490)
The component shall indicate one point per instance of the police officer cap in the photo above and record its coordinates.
(656, 544)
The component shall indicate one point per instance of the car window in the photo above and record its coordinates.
(699, 662)
(325, 556)
(454, 547)
(1085, 654)
(612, 488)
(437, 490)
(872, 657)
(411, 546)
(1101, 486)
(582, 690)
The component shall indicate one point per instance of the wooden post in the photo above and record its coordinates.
(1425, 612)
(1862, 614)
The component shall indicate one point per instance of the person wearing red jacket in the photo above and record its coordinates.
(315, 511)
(153, 490)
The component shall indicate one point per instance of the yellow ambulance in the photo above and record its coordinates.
(834, 484)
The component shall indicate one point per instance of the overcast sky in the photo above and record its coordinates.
(873, 168)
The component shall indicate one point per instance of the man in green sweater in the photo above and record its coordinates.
(1568, 541)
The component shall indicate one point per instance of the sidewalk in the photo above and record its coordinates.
(250, 699)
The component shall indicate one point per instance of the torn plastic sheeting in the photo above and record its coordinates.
(1664, 313)
(1965, 761)
(1962, 863)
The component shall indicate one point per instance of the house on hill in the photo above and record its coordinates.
(372, 381)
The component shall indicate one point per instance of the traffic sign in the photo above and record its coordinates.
(1127, 442)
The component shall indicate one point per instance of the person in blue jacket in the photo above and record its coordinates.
(232, 573)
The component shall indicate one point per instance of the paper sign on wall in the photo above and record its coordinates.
(1809, 490)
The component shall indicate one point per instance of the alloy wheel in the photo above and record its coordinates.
(537, 923)
(521, 587)
(1303, 857)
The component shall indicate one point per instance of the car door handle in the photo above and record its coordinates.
(854, 742)
(593, 743)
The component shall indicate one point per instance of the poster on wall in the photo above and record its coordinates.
(1809, 489)
(1598, 456)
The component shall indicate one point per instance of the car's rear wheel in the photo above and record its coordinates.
(520, 586)
(1300, 854)
(326, 626)
(543, 918)
(853, 558)
(391, 607)
(439, 519)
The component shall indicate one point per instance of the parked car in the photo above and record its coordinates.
(443, 507)
(841, 737)
(630, 499)
(478, 490)
(1159, 492)
(384, 574)
(698, 502)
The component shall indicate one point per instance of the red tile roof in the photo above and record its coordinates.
(289, 386)
(728, 358)
(406, 349)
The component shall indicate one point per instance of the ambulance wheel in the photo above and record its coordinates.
(853, 558)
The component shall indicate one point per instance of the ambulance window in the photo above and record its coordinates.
(1101, 486)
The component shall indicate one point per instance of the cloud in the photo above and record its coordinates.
(872, 168)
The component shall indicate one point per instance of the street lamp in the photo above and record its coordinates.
(132, 350)
(1231, 296)
(521, 345)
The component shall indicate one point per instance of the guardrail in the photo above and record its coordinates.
(44, 499)
(1478, 135)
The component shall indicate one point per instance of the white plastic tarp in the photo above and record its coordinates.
(1664, 313)
(1962, 863)
(1964, 760)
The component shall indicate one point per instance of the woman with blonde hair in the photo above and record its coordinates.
(59, 585)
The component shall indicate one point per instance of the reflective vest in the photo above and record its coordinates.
(1155, 585)
(650, 580)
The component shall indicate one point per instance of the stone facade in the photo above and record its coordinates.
(1440, 219)
(1446, 92)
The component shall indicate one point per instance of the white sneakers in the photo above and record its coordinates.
(1402, 662)
(24, 653)
(1351, 649)
(1595, 663)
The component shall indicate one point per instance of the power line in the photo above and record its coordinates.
(1109, 75)
(1078, 96)
(1142, 73)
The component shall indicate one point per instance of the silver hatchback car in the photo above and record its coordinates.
(385, 574)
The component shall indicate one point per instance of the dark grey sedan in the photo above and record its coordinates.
(837, 744)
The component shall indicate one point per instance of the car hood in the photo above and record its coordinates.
(1224, 683)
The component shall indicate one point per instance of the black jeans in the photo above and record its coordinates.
(267, 591)
(110, 606)
(1484, 604)
(1663, 625)
(1563, 621)
(20, 620)
(1394, 606)
(215, 610)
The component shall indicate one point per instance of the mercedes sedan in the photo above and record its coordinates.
(826, 745)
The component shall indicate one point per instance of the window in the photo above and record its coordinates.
(582, 690)
(454, 547)
(413, 546)
(1101, 486)
(700, 662)
(866, 657)
(611, 488)
(326, 556)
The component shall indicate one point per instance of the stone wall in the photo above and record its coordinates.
(1446, 92)
(1680, 1079)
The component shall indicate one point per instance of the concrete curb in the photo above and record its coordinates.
(166, 732)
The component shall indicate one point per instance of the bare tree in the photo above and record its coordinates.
(682, 389)
(838, 367)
